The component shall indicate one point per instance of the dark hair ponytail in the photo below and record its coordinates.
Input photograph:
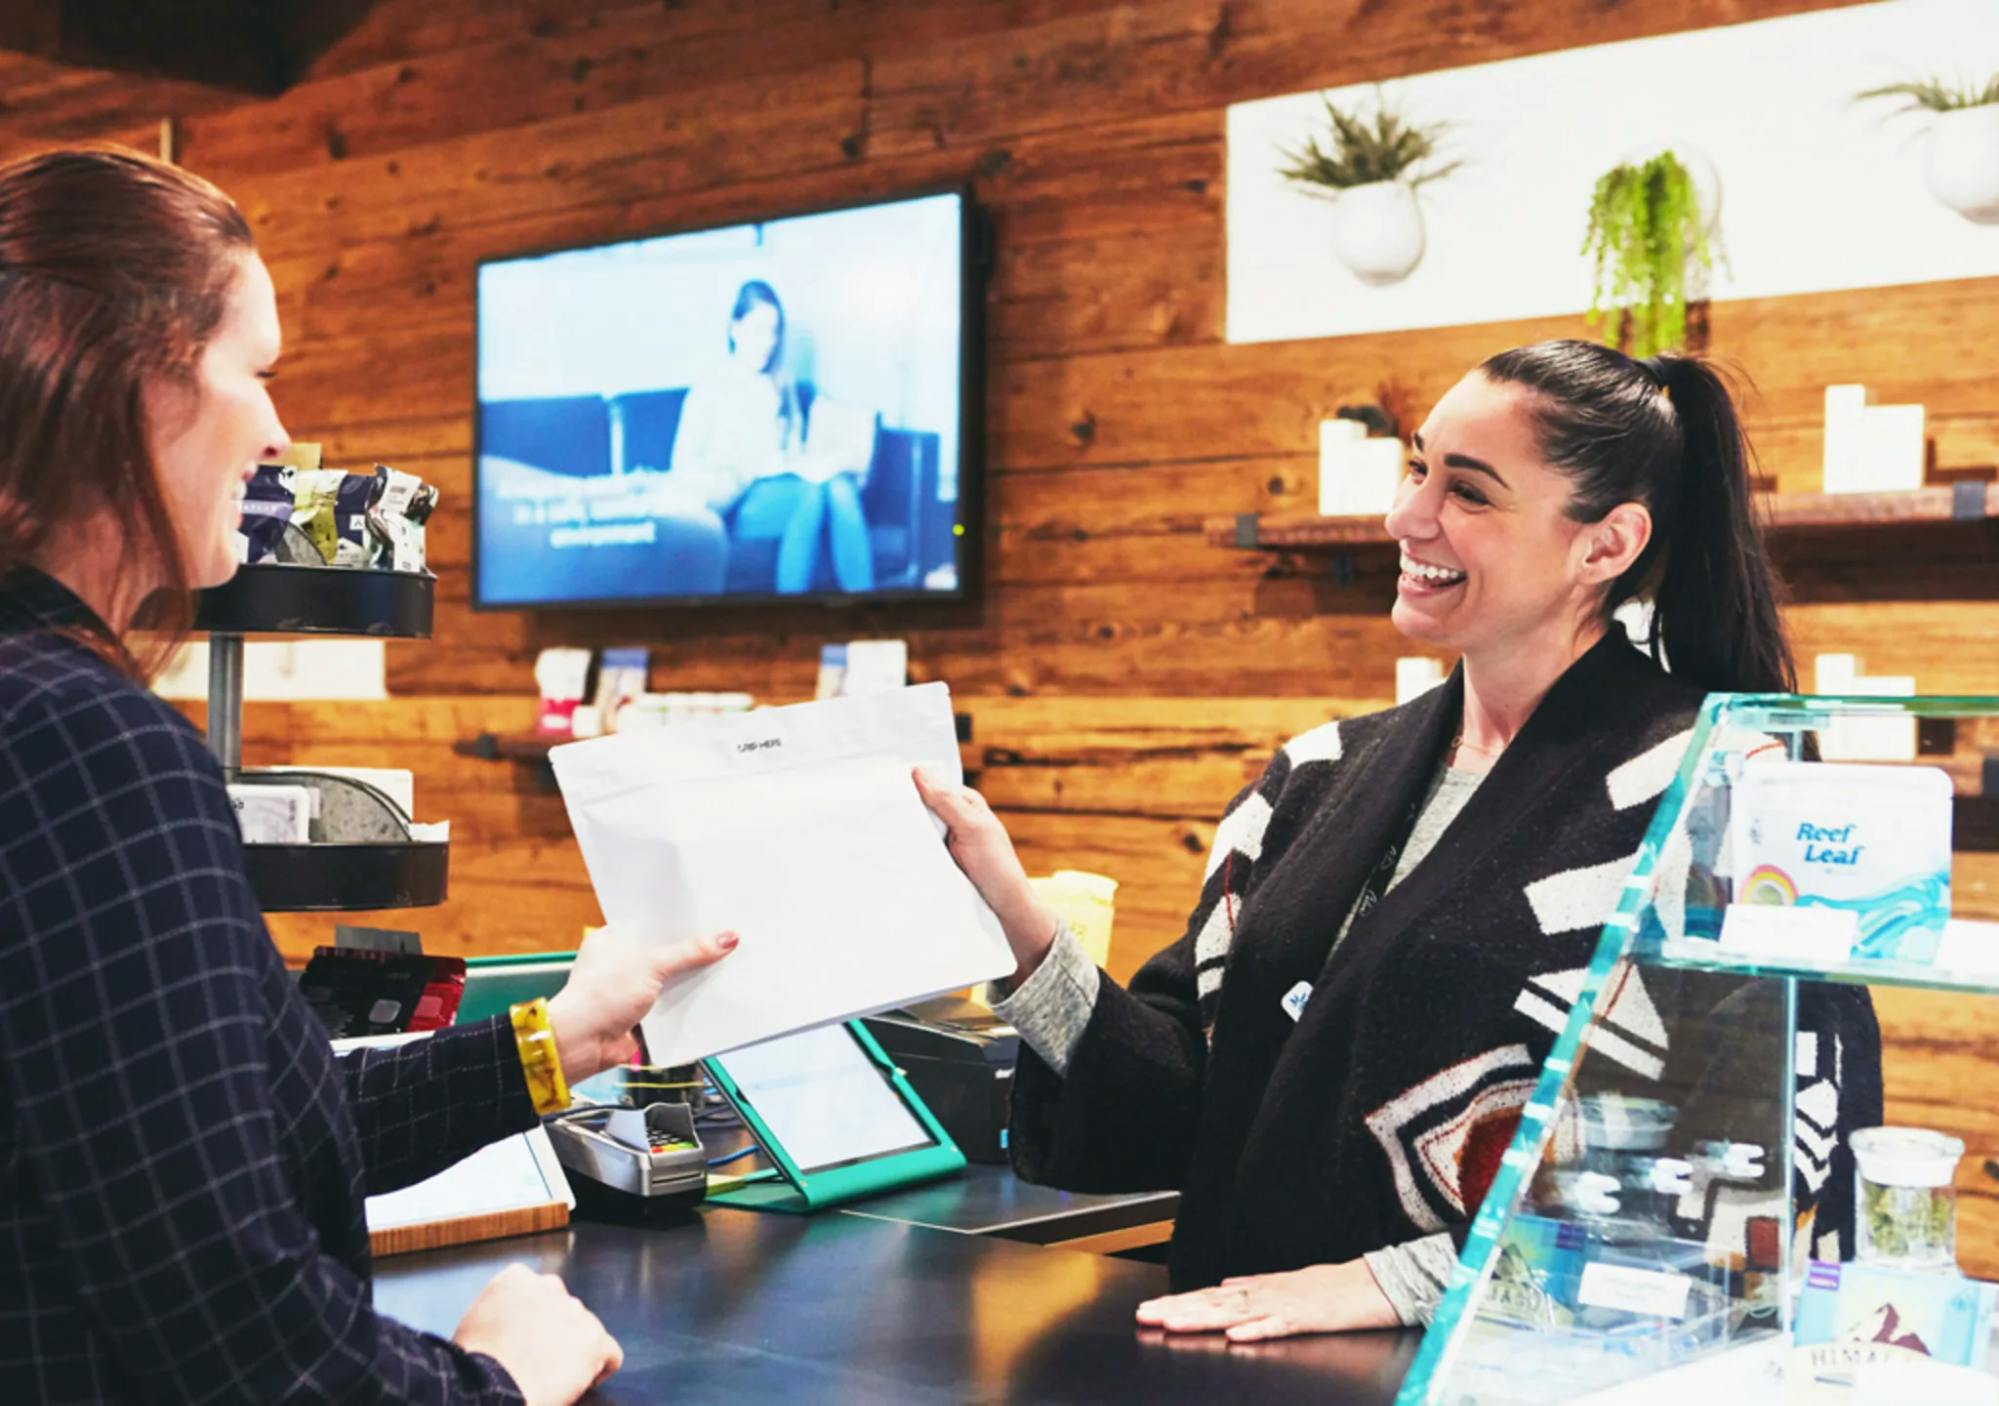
(1716, 598)
(1664, 432)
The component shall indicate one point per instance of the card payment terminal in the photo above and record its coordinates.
(630, 1163)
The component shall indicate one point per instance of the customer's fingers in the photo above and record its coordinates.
(669, 962)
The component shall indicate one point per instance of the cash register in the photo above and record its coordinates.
(959, 1057)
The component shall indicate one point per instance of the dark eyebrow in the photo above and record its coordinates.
(1465, 461)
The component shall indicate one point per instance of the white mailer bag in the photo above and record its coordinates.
(800, 829)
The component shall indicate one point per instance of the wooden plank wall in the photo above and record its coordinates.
(1122, 675)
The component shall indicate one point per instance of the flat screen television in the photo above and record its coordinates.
(779, 410)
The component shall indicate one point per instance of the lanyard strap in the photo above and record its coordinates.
(1383, 873)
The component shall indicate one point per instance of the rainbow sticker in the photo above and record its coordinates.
(1769, 884)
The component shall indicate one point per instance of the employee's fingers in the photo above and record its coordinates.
(1262, 1329)
(952, 803)
(1203, 1311)
(934, 792)
(671, 961)
(614, 1357)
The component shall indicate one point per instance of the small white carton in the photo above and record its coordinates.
(1871, 840)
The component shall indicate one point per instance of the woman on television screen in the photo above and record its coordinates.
(745, 443)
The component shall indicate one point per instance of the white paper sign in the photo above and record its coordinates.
(1657, 1292)
(800, 829)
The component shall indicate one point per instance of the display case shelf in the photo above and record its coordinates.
(346, 878)
(320, 600)
(1785, 513)
(1697, 954)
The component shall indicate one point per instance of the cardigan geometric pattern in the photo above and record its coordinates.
(1377, 1114)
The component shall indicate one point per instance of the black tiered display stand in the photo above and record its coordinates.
(318, 600)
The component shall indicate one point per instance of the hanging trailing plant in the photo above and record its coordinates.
(1645, 234)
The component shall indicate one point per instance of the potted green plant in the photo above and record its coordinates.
(1961, 167)
(1371, 170)
(1647, 234)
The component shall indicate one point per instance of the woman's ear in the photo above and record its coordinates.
(1612, 544)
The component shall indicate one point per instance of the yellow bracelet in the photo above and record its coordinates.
(535, 1036)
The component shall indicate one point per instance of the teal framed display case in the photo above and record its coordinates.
(1640, 1240)
(789, 1185)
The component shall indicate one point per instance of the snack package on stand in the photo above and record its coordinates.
(330, 517)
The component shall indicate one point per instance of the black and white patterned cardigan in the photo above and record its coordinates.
(1376, 1116)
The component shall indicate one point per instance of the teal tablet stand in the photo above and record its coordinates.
(788, 1187)
(495, 984)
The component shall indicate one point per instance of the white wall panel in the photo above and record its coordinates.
(1818, 192)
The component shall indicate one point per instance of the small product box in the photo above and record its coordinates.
(1358, 475)
(1852, 1317)
(561, 674)
(1873, 841)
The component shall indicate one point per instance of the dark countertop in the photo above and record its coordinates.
(749, 1307)
(986, 1200)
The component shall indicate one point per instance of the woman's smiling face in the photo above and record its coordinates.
(1489, 556)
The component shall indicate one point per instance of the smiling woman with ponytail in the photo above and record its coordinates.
(1329, 1063)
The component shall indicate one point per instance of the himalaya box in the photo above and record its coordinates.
(1873, 841)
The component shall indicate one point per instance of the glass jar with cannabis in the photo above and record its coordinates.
(1906, 1205)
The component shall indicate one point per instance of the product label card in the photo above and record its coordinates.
(1795, 934)
(1657, 1293)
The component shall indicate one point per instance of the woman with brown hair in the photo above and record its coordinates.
(183, 1161)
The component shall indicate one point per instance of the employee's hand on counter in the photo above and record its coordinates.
(551, 1345)
(980, 845)
(612, 984)
(1321, 1298)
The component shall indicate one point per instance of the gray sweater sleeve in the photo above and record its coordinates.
(1052, 1007)
(1413, 1275)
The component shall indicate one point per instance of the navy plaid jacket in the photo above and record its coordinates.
(182, 1159)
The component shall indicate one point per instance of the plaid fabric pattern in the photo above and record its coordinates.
(182, 1159)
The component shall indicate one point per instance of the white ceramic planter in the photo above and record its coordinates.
(1378, 231)
(1962, 169)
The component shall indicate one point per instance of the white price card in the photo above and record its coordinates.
(1661, 1293)
(1773, 930)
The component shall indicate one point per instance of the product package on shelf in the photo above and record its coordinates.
(330, 517)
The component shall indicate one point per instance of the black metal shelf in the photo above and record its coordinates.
(274, 599)
(346, 878)
(320, 600)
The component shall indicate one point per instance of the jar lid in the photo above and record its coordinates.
(1907, 1156)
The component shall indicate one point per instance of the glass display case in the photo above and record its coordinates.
(1643, 1218)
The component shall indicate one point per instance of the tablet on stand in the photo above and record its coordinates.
(834, 1116)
